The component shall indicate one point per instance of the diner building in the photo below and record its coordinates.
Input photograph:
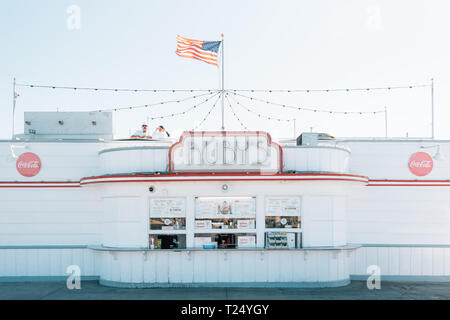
(220, 208)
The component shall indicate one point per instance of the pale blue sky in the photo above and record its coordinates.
(268, 45)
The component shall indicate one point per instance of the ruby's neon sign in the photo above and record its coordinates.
(225, 151)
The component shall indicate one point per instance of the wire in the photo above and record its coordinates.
(259, 114)
(235, 115)
(109, 89)
(185, 111)
(332, 90)
(207, 115)
(308, 108)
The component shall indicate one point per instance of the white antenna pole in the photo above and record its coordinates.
(295, 129)
(223, 91)
(14, 108)
(385, 122)
(432, 108)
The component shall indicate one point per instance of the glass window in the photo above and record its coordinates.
(167, 223)
(283, 240)
(224, 240)
(283, 222)
(167, 241)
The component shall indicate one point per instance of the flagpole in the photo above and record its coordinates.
(223, 91)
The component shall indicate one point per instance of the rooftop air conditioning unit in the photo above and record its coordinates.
(312, 138)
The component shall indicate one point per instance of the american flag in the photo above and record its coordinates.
(205, 51)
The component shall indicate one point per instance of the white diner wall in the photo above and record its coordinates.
(398, 214)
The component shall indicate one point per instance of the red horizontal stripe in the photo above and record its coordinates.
(198, 50)
(199, 54)
(192, 180)
(201, 174)
(189, 40)
(408, 185)
(193, 57)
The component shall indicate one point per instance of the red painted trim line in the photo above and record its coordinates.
(226, 177)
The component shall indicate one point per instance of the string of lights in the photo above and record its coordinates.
(126, 108)
(207, 115)
(332, 90)
(234, 90)
(259, 114)
(187, 110)
(307, 108)
(235, 115)
(109, 89)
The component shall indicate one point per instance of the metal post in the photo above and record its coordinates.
(295, 129)
(14, 107)
(432, 108)
(385, 122)
(223, 91)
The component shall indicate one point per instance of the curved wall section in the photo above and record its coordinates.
(134, 159)
(331, 159)
(248, 268)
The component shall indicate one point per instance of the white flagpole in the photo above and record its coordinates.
(223, 91)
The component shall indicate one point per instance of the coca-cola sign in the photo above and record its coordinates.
(420, 164)
(28, 164)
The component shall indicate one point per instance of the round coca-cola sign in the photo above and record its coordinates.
(420, 164)
(28, 164)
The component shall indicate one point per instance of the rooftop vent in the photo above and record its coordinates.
(312, 138)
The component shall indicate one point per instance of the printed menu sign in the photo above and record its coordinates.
(246, 241)
(225, 207)
(283, 206)
(167, 207)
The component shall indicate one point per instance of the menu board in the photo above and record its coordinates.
(167, 207)
(225, 207)
(246, 241)
(283, 206)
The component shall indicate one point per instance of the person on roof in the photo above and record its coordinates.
(160, 133)
(142, 134)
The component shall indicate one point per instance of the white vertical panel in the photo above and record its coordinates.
(150, 266)
(393, 261)
(115, 266)
(405, 261)
(438, 261)
(427, 261)
(176, 265)
(188, 268)
(126, 265)
(323, 264)
(162, 267)
(416, 261)
(447, 261)
(334, 266)
(383, 259)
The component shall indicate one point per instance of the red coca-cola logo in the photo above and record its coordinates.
(28, 164)
(420, 164)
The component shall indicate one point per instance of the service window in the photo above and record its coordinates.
(167, 241)
(225, 222)
(224, 240)
(283, 222)
(167, 227)
(225, 213)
